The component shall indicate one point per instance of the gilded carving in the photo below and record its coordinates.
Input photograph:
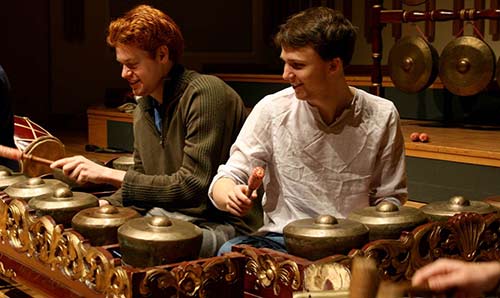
(218, 270)
(269, 272)
(467, 236)
(118, 284)
(72, 255)
(3, 220)
(7, 273)
(17, 225)
(42, 239)
(189, 279)
(99, 266)
(393, 257)
(192, 280)
(158, 280)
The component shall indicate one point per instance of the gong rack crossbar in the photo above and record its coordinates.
(380, 17)
(36, 251)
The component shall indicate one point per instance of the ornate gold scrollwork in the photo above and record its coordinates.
(72, 255)
(17, 225)
(42, 239)
(216, 271)
(269, 272)
(118, 284)
(189, 279)
(7, 273)
(158, 280)
(466, 236)
(192, 280)
(3, 220)
(392, 256)
(470, 227)
(98, 268)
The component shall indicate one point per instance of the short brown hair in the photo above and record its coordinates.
(326, 30)
(147, 28)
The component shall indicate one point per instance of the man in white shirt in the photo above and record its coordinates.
(327, 148)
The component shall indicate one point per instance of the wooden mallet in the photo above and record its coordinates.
(255, 180)
(18, 155)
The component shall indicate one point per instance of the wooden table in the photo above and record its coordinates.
(74, 144)
(472, 145)
(98, 117)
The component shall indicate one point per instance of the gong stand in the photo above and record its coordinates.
(380, 17)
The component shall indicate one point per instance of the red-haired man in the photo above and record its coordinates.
(184, 125)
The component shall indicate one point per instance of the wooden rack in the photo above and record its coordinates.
(381, 17)
(450, 144)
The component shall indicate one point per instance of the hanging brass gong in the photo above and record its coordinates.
(467, 65)
(413, 64)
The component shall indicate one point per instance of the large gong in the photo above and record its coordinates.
(413, 64)
(467, 65)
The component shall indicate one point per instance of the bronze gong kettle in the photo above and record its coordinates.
(325, 235)
(156, 240)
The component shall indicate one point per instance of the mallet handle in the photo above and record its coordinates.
(18, 155)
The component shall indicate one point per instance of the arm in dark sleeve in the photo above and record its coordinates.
(205, 120)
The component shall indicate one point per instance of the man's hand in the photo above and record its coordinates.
(83, 170)
(231, 197)
(467, 279)
(237, 201)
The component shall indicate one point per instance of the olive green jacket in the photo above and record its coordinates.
(202, 117)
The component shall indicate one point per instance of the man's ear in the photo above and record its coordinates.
(335, 64)
(162, 53)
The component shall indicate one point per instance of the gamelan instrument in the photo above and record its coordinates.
(33, 187)
(20, 156)
(8, 177)
(467, 65)
(100, 224)
(413, 64)
(62, 204)
(41, 253)
(442, 210)
(325, 235)
(388, 220)
(156, 240)
(33, 140)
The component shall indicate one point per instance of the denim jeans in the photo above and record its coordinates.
(214, 234)
(271, 240)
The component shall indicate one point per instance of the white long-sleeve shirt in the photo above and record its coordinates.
(313, 168)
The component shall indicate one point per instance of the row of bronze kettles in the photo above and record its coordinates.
(466, 66)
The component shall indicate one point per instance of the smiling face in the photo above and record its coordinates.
(309, 75)
(144, 73)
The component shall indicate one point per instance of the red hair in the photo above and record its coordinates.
(147, 28)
